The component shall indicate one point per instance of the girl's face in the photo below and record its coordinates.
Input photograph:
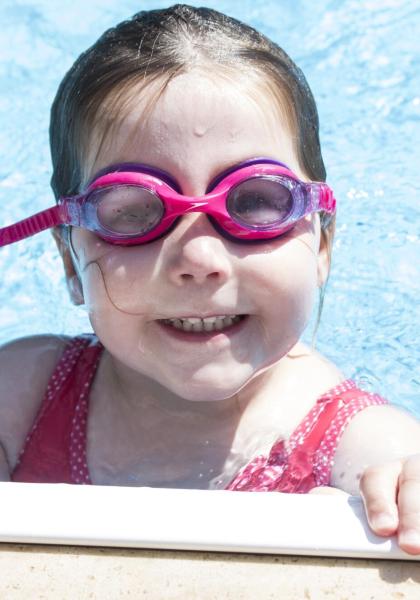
(198, 128)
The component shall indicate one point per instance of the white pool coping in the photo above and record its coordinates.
(273, 523)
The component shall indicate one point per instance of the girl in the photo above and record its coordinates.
(194, 223)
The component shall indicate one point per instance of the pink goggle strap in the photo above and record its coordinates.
(328, 202)
(51, 217)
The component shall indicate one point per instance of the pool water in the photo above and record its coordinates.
(361, 60)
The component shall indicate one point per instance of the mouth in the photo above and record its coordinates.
(203, 324)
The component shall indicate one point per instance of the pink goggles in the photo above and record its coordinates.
(131, 204)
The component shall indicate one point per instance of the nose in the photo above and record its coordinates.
(196, 253)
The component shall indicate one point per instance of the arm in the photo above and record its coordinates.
(379, 457)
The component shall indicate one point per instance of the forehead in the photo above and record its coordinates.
(195, 117)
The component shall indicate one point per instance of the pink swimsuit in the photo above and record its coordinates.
(55, 448)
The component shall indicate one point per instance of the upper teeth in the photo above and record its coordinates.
(203, 324)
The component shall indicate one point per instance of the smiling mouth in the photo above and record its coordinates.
(204, 325)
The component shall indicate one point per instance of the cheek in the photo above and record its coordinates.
(291, 300)
(115, 277)
(284, 284)
(116, 316)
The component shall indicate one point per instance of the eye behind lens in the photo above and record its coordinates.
(261, 202)
(127, 210)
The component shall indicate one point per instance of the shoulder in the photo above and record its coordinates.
(30, 356)
(317, 373)
(26, 365)
(303, 378)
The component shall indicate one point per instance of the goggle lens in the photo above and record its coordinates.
(127, 209)
(260, 202)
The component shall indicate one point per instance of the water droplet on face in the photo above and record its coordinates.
(200, 130)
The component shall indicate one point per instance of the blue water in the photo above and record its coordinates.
(361, 60)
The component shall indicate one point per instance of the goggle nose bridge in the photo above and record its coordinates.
(188, 204)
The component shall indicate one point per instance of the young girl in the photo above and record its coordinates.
(194, 223)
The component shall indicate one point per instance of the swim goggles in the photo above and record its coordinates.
(131, 204)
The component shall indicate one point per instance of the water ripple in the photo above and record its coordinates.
(361, 59)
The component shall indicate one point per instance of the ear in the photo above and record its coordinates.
(74, 285)
(324, 256)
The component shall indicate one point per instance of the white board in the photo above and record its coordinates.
(269, 522)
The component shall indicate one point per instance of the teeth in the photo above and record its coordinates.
(207, 324)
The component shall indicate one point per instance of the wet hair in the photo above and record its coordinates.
(154, 47)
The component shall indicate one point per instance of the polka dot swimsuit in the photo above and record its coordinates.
(55, 448)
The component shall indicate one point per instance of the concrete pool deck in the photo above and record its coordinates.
(70, 572)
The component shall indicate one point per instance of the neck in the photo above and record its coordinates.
(132, 393)
(141, 427)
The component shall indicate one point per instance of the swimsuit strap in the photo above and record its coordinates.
(305, 460)
(55, 449)
(350, 402)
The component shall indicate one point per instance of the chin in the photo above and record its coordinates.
(216, 389)
(204, 391)
(206, 394)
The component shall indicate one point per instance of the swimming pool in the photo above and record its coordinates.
(360, 58)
